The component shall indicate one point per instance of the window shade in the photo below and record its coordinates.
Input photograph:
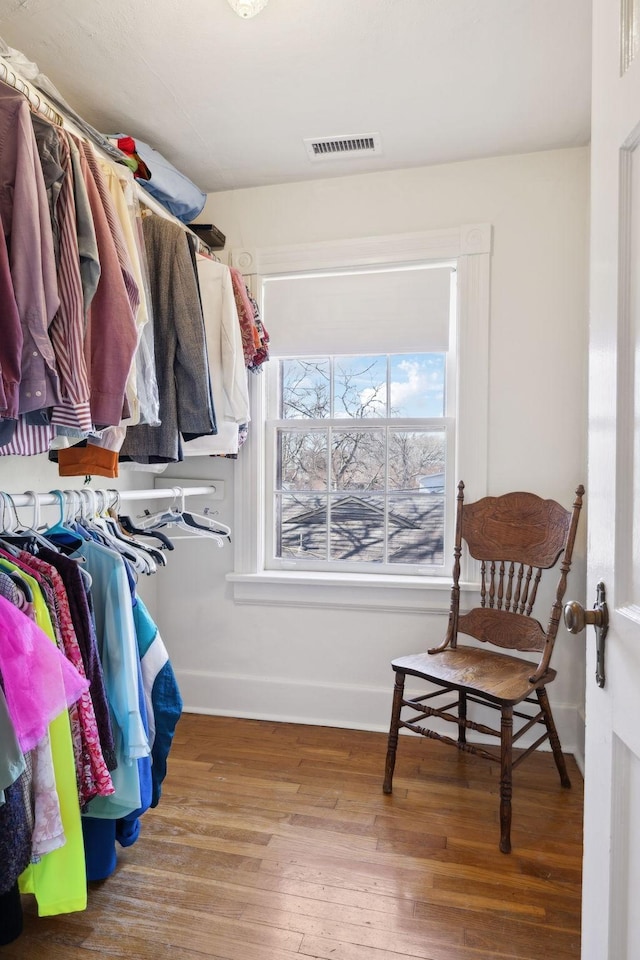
(388, 311)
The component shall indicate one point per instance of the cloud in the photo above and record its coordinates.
(417, 386)
(420, 392)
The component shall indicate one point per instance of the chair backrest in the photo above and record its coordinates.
(515, 537)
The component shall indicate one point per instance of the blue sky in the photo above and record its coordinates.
(417, 383)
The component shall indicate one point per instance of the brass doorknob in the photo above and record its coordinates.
(576, 618)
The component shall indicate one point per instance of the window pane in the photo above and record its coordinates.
(416, 529)
(302, 525)
(306, 389)
(417, 460)
(302, 460)
(358, 460)
(360, 387)
(357, 528)
(417, 385)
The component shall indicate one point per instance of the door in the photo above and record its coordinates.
(611, 892)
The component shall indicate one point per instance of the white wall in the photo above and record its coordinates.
(332, 665)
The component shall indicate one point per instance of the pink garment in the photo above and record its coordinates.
(94, 778)
(39, 680)
(246, 316)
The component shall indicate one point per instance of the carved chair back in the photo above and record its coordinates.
(515, 538)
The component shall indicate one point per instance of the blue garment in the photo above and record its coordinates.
(170, 187)
(128, 828)
(118, 650)
(100, 834)
(164, 703)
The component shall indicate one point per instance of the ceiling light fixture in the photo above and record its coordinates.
(247, 8)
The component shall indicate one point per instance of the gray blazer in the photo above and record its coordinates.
(180, 350)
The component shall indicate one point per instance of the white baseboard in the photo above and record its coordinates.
(331, 705)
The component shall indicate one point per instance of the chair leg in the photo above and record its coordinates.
(462, 715)
(554, 739)
(392, 746)
(506, 742)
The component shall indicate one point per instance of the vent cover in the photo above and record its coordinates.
(335, 148)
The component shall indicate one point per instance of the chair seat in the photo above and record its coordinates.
(498, 676)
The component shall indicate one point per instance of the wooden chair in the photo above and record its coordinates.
(515, 537)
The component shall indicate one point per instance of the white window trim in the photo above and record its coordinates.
(470, 246)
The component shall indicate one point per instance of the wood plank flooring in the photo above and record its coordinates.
(275, 842)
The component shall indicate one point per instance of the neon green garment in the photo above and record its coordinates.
(58, 881)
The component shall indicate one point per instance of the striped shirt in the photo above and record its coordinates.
(111, 335)
(67, 329)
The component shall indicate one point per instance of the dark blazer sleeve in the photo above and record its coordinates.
(191, 369)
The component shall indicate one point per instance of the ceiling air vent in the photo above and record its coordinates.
(335, 148)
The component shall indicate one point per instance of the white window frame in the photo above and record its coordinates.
(470, 247)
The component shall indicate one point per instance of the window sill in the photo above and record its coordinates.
(340, 591)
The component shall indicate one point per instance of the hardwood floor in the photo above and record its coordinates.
(275, 842)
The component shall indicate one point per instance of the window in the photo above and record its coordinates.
(359, 453)
(359, 469)
(372, 407)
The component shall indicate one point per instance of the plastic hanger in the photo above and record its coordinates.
(111, 527)
(92, 521)
(14, 531)
(59, 531)
(131, 529)
(9, 525)
(149, 521)
(6, 523)
(174, 516)
(33, 532)
(146, 555)
(204, 522)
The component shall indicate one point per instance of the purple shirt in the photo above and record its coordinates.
(24, 213)
(111, 337)
(10, 338)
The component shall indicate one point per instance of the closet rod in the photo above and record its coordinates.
(37, 100)
(51, 500)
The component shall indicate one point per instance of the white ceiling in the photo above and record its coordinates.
(229, 101)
